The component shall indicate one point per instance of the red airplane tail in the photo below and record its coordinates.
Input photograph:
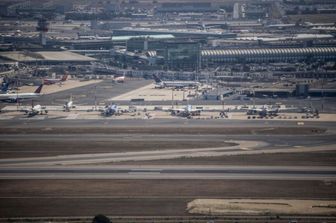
(39, 89)
(65, 77)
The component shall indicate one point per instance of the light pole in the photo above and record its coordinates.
(172, 98)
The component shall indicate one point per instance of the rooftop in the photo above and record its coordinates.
(59, 56)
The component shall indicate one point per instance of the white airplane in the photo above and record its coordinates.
(103, 37)
(120, 79)
(14, 97)
(68, 105)
(266, 110)
(110, 110)
(36, 110)
(187, 112)
(174, 84)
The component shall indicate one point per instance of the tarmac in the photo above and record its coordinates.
(52, 168)
(168, 172)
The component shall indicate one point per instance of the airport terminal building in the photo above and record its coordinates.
(267, 55)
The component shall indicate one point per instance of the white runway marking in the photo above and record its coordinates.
(72, 116)
(6, 117)
(39, 117)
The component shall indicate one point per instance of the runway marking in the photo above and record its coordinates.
(6, 117)
(245, 148)
(34, 118)
(141, 173)
(72, 116)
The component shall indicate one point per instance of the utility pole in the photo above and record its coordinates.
(253, 98)
(172, 98)
(17, 95)
(95, 98)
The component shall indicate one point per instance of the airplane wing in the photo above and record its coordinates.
(177, 109)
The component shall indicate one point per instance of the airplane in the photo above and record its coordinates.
(35, 110)
(68, 105)
(120, 79)
(187, 112)
(14, 97)
(174, 84)
(263, 111)
(103, 37)
(110, 110)
(54, 81)
(266, 111)
(4, 87)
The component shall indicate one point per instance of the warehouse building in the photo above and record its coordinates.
(267, 55)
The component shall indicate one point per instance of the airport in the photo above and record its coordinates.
(167, 111)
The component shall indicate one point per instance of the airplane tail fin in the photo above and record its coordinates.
(4, 87)
(65, 77)
(189, 107)
(39, 89)
(156, 78)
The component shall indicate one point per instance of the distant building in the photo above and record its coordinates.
(272, 93)
(146, 43)
(45, 57)
(236, 11)
(302, 90)
(268, 55)
(171, 7)
(190, 33)
(320, 92)
(181, 55)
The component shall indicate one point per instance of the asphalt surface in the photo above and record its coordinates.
(168, 172)
(327, 105)
(87, 95)
(100, 92)
(53, 167)
(226, 123)
(105, 90)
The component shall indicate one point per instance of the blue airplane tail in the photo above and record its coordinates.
(4, 87)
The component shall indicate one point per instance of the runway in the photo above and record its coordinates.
(169, 172)
(227, 123)
(80, 166)
(121, 167)
(218, 145)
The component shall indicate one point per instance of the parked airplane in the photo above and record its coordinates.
(187, 112)
(36, 110)
(120, 79)
(266, 111)
(4, 87)
(68, 105)
(174, 84)
(110, 110)
(14, 97)
(54, 81)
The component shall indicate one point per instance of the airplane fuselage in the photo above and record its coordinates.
(12, 97)
(177, 84)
